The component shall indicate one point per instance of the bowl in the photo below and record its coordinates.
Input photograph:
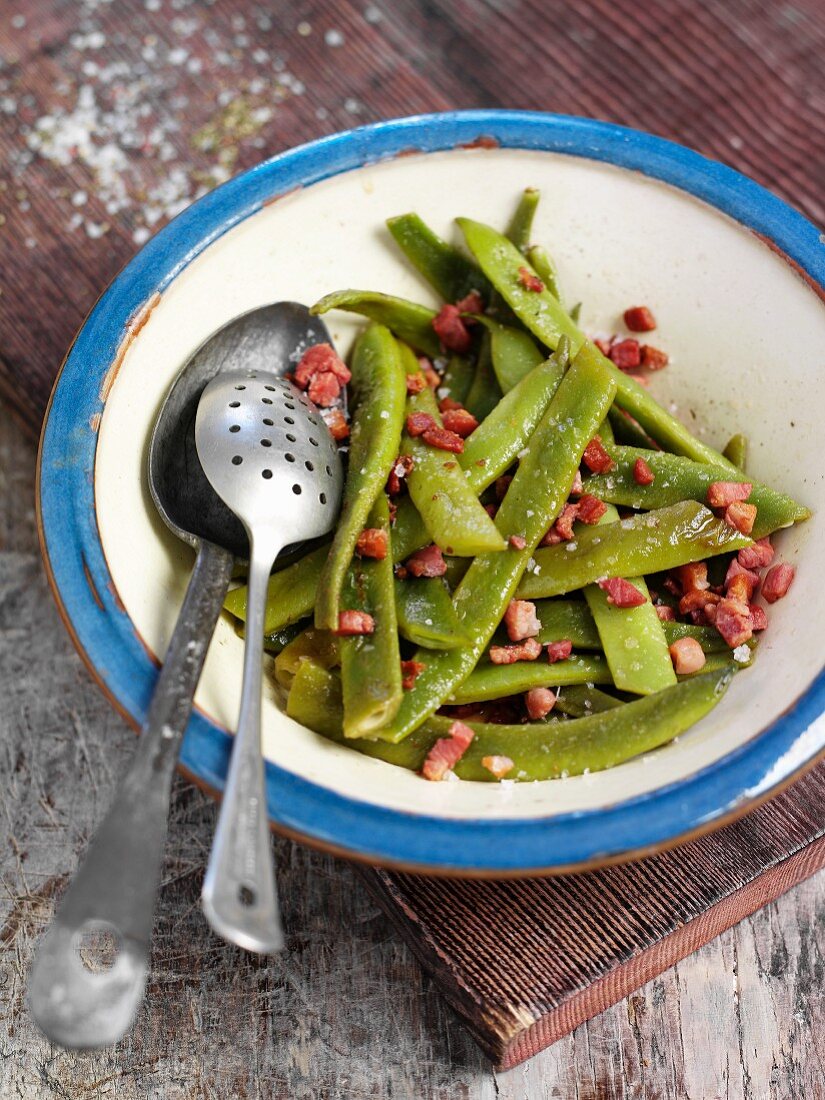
(735, 278)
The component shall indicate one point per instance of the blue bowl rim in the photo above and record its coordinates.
(108, 642)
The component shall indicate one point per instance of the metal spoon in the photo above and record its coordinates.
(269, 456)
(113, 893)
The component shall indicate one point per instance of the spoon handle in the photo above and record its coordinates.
(113, 893)
(239, 896)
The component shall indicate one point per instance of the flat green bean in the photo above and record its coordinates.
(567, 620)
(542, 263)
(521, 223)
(485, 392)
(513, 352)
(319, 646)
(736, 450)
(579, 700)
(627, 430)
(426, 615)
(290, 593)
(408, 321)
(489, 681)
(444, 267)
(457, 379)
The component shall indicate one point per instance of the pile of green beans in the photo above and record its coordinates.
(540, 391)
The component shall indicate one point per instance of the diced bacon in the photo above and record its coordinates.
(604, 345)
(320, 359)
(626, 354)
(621, 593)
(400, 469)
(596, 458)
(733, 621)
(528, 650)
(551, 538)
(502, 485)
(564, 524)
(337, 424)
(448, 403)
(759, 620)
(443, 440)
(740, 583)
(410, 671)
(687, 656)
(653, 358)
(665, 613)
(418, 423)
(639, 319)
(470, 303)
(401, 572)
(447, 751)
(372, 543)
(577, 487)
(539, 702)
(777, 581)
(460, 421)
(693, 575)
(431, 375)
(427, 562)
(324, 389)
(757, 556)
(559, 651)
(591, 509)
(520, 620)
(722, 493)
(741, 517)
(416, 383)
(499, 766)
(530, 281)
(642, 473)
(452, 331)
(355, 622)
(697, 599)
(518, 542)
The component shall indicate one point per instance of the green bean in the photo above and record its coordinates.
(627, 430)
(606, 432)
(485, 392)
(539, 750)
(444, 267)
(513, 352)
(544, 316)
(633, 641)
(542, 263)
(736, 450)
(447, 505)
(408, 321)
(489, 681)
(457, 379)
(456, 571)
(708, 638)
(290, 593)
(425, 614)
(567, 620)
(277, 641)
(714, 662)
(371, 663)
(677, 478)
(380, 391)
(575, 312)
(319, 646)
(579, 700)
(521, 223)
(650, 543)
(533, 500)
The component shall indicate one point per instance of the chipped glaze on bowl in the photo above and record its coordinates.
(630, 219)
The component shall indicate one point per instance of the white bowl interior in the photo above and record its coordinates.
(745, 335)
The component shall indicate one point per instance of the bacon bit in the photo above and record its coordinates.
(591, 509)
(416, 383)
(551, 538)
(447, 751)
(502, 485)
(354, 622)
(741, 517)
(324, 389)
(444, 440)
(539, 702)
(470, 303)
(722, 493)
(320, 359)
(626, 354)
(528, 650)
(666, 614)
(642, 473)
(740, 588)
(518, 542)
(687, 656)
(460, 421)
(693, 576)
(757, 556)
(337, 424)
(596, 458)
(621, 593)
(559, 651)
(452, 331)
(520, 620)
(401, 572)
(639, 319)
(393, 509)
(640, 379)
(697, 599)
(448, 403)
(577, 487)
(430, 373)
(759, 620)
(653, 358)
(777, 581)
(427, 562)
(372, 543)
(733, 621)
(530, 281)
(401, 468)
(410, 671)
(498, 766)
(564, 524)
(418, 423)
(751, 580)
(604, 346)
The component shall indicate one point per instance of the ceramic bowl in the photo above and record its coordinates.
(735, 279)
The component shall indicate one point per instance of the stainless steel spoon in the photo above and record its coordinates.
(112, 895)
(269, 456)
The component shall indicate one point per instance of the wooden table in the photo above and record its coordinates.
(112, 117)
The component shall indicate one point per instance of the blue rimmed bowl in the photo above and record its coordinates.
(735, 277)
